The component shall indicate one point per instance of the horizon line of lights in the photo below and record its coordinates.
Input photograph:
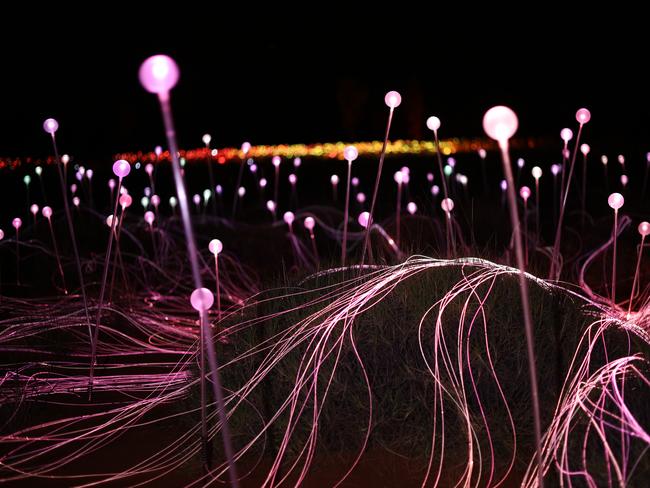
(329, 150)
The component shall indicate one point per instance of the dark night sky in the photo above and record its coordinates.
(273, 85)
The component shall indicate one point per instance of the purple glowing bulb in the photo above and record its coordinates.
(433, 123)
(149, 217)
(292, 179)
(393, 99)
(73, 188)
(555, 169)
(263, 182)
(206, 139)
(297, 162)
(647, 158)
(536, 172)
(524, 192)
(451, 162)
(616, 201)
(361, 197)
(50, 126)
(270, 205)
(47, 212)
(241, 191)
(435, 190)
(584, 149)
(253, 168)
(125, 200)
(245, 147)
(411, 207)
(430, 177)
(149, 169)
(159, 74)
(350, 153)
(158, 151)
(334, 179)
(504, 185)
(520, 163)
(583, 116)
(447, 204)
(644, 228)
(500, 123)
(155, 200)
(276, 161)
(355, 181)
(288, 217)
(566, 135)
(111, 183)
(78, 175)
(364, 218)
(17, 223)
(309, 223)
(218, 189)
(196, 199)
(215, 247)
(121, 168)
(201, 299)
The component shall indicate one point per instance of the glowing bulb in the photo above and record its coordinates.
(34, 209)
(109, 221)
(73, 188)
(206, 195)
(451, 162)
(2, 234)
(159, 74)
(448, 170)
(214, 152)
(604, 159)
(196, 198)
(263, 182)
(38, 170)
(292, 179)
(433, 123)
(144, 201)
(47, 212)
(583, 116)
(276, 161)
(297, 162)
(215, 246)
(111, 183)
(50, 126)
(524, 192)
(447, 204)
(500, 123)
(624, 180)
(430, 177)
(364, 218)
(393, 99)
(241, 191)
(27, 180)
(644, 228)
(411, 207)
(65, 159)
(17, 223)
(355, 181)
(245, 147)
(621, 159)
(201, 299)
(520, 163)
(173, 202)
(149, 169)
(555, 169)
(89, 174)
(435, 190)
(76, 201)
(78, 175)
(125, 201)
(155, 200)
(121, 168)
(536, 172)
(566, 135)
(616, 201)
(584, 149)
(361, 197)
(350, 153)
(288, 218)
(309, 223)
(149, 217)
(334, 179)
(482, 153)
(218, 189)
(158, 151)
(206, 139)
(270, 205)
(504, 185)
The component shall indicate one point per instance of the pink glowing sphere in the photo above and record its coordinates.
(292, 179)
(435, 190)
(624, 180)
(647, 157)
(644, 228)
(433, 123)
(263, 182)
(288, 217)
(2, 234)
(482, 153)
(47, 212)
(430, 177)
(604, 159)
(206, 139)
(201, 299)
(270, 205)
(17, 223)
(155, 200)
(215, 246)
(276, 161)
(566, 134)
(504, 185)
(297, 162)
(361, 197)
(364, 219)
(149, 217)
(78, 175)
(405, 177)
(334, 179)
(50, 126)
(196, 198)
(76, 201)
(159, 74)
(536, 172)
(350, 153)
(398, 177)
(583, 116)
(411, 207)
(218, 189)
(521, 163)
(309, 223)
(121, 168)
(621, 159)
(245, 147)
(109, 221)
(524, 192)
(447, 204)
(253, 168)
(73, 188)
(555, 169)
(393, 99)
(89, 174)
(125, 200)
(584, 149)
(616, 201)
(157, 150)
(500, 123)
(149, 169)
(34, 209)
(451, 162)
(241, 191)
(355, 181)
(111, 183)
(65, 159)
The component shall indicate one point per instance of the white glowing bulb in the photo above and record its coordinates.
(500, 123)
(433, 123)
(393, 99)
(411, 207)
(566, 135)
(536, 172)
(616, 201)
(206, 139)
(447, 204)
(276, 161)
(334, 179)
(270, 205)
(584, 149)
(215, 246)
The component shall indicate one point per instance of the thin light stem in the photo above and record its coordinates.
(346, 216)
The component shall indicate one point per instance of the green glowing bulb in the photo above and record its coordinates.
(206, 195)
(172, 202)
(182, 162)
(144, 202)
(27, 179)
(448, 170)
